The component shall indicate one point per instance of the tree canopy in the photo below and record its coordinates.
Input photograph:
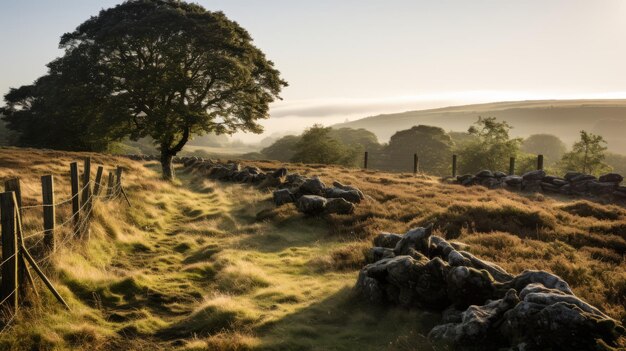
(432, 144)
(548, 145)
(282, 149)
(492, 148)
(316, 145)
(163, 69)
(587, 155)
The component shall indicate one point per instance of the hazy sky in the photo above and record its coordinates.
(352, 58)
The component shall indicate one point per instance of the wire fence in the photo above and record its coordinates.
(45, 242)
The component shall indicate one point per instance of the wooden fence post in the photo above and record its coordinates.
(415, 163)
(86, 196)
(365, 160)
(75, 198)
(118, 176)
(9, 286)
(110, 184)
(511, 165)
(454, 165)
(47, 192)
(539, 161)
(97, 186)
(14, 185)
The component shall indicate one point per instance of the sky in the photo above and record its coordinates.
(348, 59)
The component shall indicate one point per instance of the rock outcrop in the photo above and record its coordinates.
(483, 306)
(572, 183)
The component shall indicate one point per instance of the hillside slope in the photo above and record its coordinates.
(208, 265)
(564, 118)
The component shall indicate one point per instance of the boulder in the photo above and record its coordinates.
(417, 239)
(531, 185)
(463, 178)
(431, 287)
(484, 174)
(582, 178)
(312, 186)
(387, 240)
(469, 286)
(491, 183)
(404, 271)
(513, 180)
(497, 272)
(545, 325)
(339, 206)
(282, 196)
(438, 246)
(534, 175)
(499, 174)
(311, 204)
(378, 253)
(369, 288)
(611, 178)
(547, 279)
(456, 259)
(600, 188)
(349, 195)
(476, 328)
(337, 184)
(279, 173)
(571, 175)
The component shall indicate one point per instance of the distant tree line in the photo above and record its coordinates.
(486, 145)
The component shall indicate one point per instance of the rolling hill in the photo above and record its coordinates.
(564, 118)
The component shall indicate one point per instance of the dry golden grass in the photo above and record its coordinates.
(203, 265)
(581, 240)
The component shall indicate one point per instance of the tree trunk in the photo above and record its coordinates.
(166, 165)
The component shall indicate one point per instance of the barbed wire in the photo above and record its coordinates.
(80, 191)
(79, 228)
(105, 193)
(115, 193)
(6, 259)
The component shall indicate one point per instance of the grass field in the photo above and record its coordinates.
(191, 266)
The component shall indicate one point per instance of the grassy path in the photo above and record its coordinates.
(219, 278)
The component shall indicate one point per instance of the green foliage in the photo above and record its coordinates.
(363, 138)
(7, 137)
(282, 149)
(432, 144)
(461, 138)
(159, 68)
(587, 155)
(550, 146)
(492, 148)
(616, 161)
(347, 145)
(317, 146)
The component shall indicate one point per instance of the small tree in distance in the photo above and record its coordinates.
(316, 145)
(491, 149)
(587, 155)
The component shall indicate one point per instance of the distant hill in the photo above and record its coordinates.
(564, 118)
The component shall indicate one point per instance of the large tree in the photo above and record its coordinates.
(164, 69)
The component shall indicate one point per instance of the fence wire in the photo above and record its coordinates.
(106, 193)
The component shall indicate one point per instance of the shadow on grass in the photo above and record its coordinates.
(342, 322)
